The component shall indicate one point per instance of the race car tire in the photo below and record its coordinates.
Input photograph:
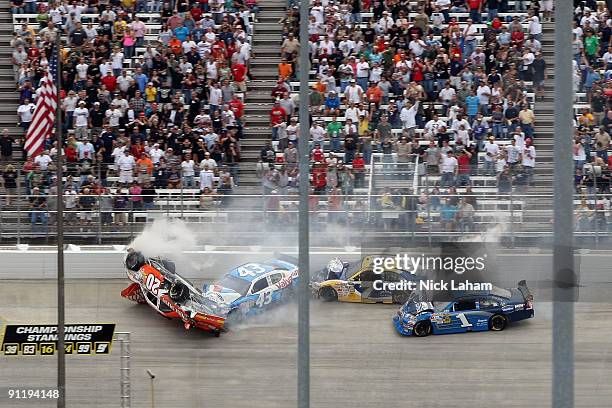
(400, 297)
(178, 292)
(422, 329)
(498, 322)
(328, 294)
(134, 261)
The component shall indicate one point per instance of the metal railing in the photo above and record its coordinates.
(429, 214)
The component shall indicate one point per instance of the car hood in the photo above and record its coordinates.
(416, 307)
(220, 294)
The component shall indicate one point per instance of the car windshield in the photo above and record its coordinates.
(236, 284)
(351, 269)
(505, 293)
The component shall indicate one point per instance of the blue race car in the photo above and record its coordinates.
(468, 311)
(253, 287)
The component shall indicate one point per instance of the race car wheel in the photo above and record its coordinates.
(422, 329)
(498, 322)
(328, 294)
(400, 297)
(178, 292)
(134, 261)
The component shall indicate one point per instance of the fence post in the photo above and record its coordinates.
(18, 206)
(346, 215)
(182, 183)
(99, 240)
(511, 213)
(596, 223)
(1, 221)
(428, 207)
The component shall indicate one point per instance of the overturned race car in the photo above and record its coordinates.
(156, 283)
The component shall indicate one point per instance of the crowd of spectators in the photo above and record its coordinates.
(414, 79)
(592, 67)
(407, 75)
(151, 92)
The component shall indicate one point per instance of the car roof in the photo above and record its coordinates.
(251, 271)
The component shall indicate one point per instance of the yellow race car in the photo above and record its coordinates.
(357, 282)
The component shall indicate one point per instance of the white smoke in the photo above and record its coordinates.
(168, 238)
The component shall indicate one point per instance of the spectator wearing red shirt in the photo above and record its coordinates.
(277, 116)
(319, 178)
(279, 90)
(137, 149)
(359, 170)
(463, 168)
(518, 38)
(237, 106)
(475, 8)
(318, 156)
(239, 72)
(196, 12)
(110, 81)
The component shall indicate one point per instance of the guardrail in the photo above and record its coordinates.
(341, 217)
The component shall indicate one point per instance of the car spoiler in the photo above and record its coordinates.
(522, 287)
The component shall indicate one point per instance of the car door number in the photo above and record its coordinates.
(464, 320)
(153, 283)
(264, 299)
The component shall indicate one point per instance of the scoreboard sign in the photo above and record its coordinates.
(41, 340)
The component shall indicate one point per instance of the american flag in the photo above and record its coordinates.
(44, 113)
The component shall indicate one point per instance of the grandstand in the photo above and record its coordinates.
(395, 171)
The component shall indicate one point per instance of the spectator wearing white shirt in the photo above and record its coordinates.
(385, 22)
(317, 133)
(491, 152)
(535, 28)
(408, 117)
(81, 121)
(43, 160)
(448, 169)
(432, 126)
(25, 113)
(484, 94)
(85, 150)
(207, 178)
(114, 116)
(513, 154)
(208, 162)
(528, 160)
(156, 154)
(188, 171)
(81, 73)
(363, 73)
(446, 95)
(353, 93)
(126, 165)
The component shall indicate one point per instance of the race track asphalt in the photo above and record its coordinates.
(357, 359)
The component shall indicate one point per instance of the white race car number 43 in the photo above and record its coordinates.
(264, 299)
(250, 270)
